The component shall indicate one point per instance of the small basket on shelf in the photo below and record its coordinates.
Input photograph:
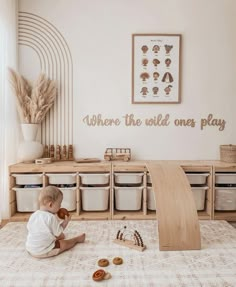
(228, 153)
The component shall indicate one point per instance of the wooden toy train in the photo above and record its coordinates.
(117, 154)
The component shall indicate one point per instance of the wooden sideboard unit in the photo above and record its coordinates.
(114, 170)
(224, 181)
(61, 168)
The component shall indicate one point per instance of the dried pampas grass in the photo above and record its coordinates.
(33, 102)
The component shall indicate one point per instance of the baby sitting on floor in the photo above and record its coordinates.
(45, 230)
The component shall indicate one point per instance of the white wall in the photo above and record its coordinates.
(99, 36)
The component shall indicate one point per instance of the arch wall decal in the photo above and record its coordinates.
(55, 59)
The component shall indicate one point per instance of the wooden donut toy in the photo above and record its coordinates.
(103, 262)
(99, 275)
(117, 260)
(107, 276)
(62, 213)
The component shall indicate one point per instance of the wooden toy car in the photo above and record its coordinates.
(117, 154)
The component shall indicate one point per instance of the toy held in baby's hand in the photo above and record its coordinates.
(62, 213)
(135, 240)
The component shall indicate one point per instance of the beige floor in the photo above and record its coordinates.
(233, 224)
(213, 265)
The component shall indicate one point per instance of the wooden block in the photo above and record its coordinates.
(52, 151)
(58, 152)
(46, 152)
(87, 160)
(70, 152)
(44, 160)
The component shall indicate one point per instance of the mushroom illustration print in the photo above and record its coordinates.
(156, 67)
(144, 62)
(155, 62)
(144, 91)
(168, 48)
(168, 89)
(156, 48)
(155, 90)
(168, 62)
(144, 76)
(167, 78)
(144, 48)
(156, 76)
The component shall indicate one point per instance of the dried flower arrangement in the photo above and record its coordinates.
(33, 102)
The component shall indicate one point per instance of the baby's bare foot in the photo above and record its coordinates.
(81, 238)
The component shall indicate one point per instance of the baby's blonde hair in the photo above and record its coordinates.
(49, 193)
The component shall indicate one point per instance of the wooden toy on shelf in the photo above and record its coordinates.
(70, 152)
(44, 160)
(87, 160)
(64, 153)
(46, 152)
(117, 154)
(135, 241)
(58, 152)
(52, 150)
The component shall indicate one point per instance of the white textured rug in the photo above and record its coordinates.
(214, 265)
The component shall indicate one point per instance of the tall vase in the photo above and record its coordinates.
(29, 149)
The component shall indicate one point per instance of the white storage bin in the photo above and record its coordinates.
(128, 178)
(27, 199)
(128, 198)
(27, 179)
(197, 178)
(225, 178)
(95, 178)
(95, 198)
(61, 178)
(225, 198)
(149, 181)
(151, 203)
(199, 195)
(69, 198)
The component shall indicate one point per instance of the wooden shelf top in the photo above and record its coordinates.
(61, 166)
(72, 166)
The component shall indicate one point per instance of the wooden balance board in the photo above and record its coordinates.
(178, 225)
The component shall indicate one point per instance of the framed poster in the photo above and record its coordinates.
(156, 68)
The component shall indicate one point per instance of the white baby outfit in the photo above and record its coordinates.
(43, 228)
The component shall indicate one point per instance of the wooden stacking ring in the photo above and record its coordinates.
(62, 213)
(103, 262)
(107, 276)
(99, 275)
(117, 260)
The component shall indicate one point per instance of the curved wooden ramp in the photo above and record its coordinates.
(178, 224)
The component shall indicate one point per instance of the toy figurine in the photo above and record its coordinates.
(46, 153)
(64, 153)
(70, 152)
(58, 152)
(52, 150)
